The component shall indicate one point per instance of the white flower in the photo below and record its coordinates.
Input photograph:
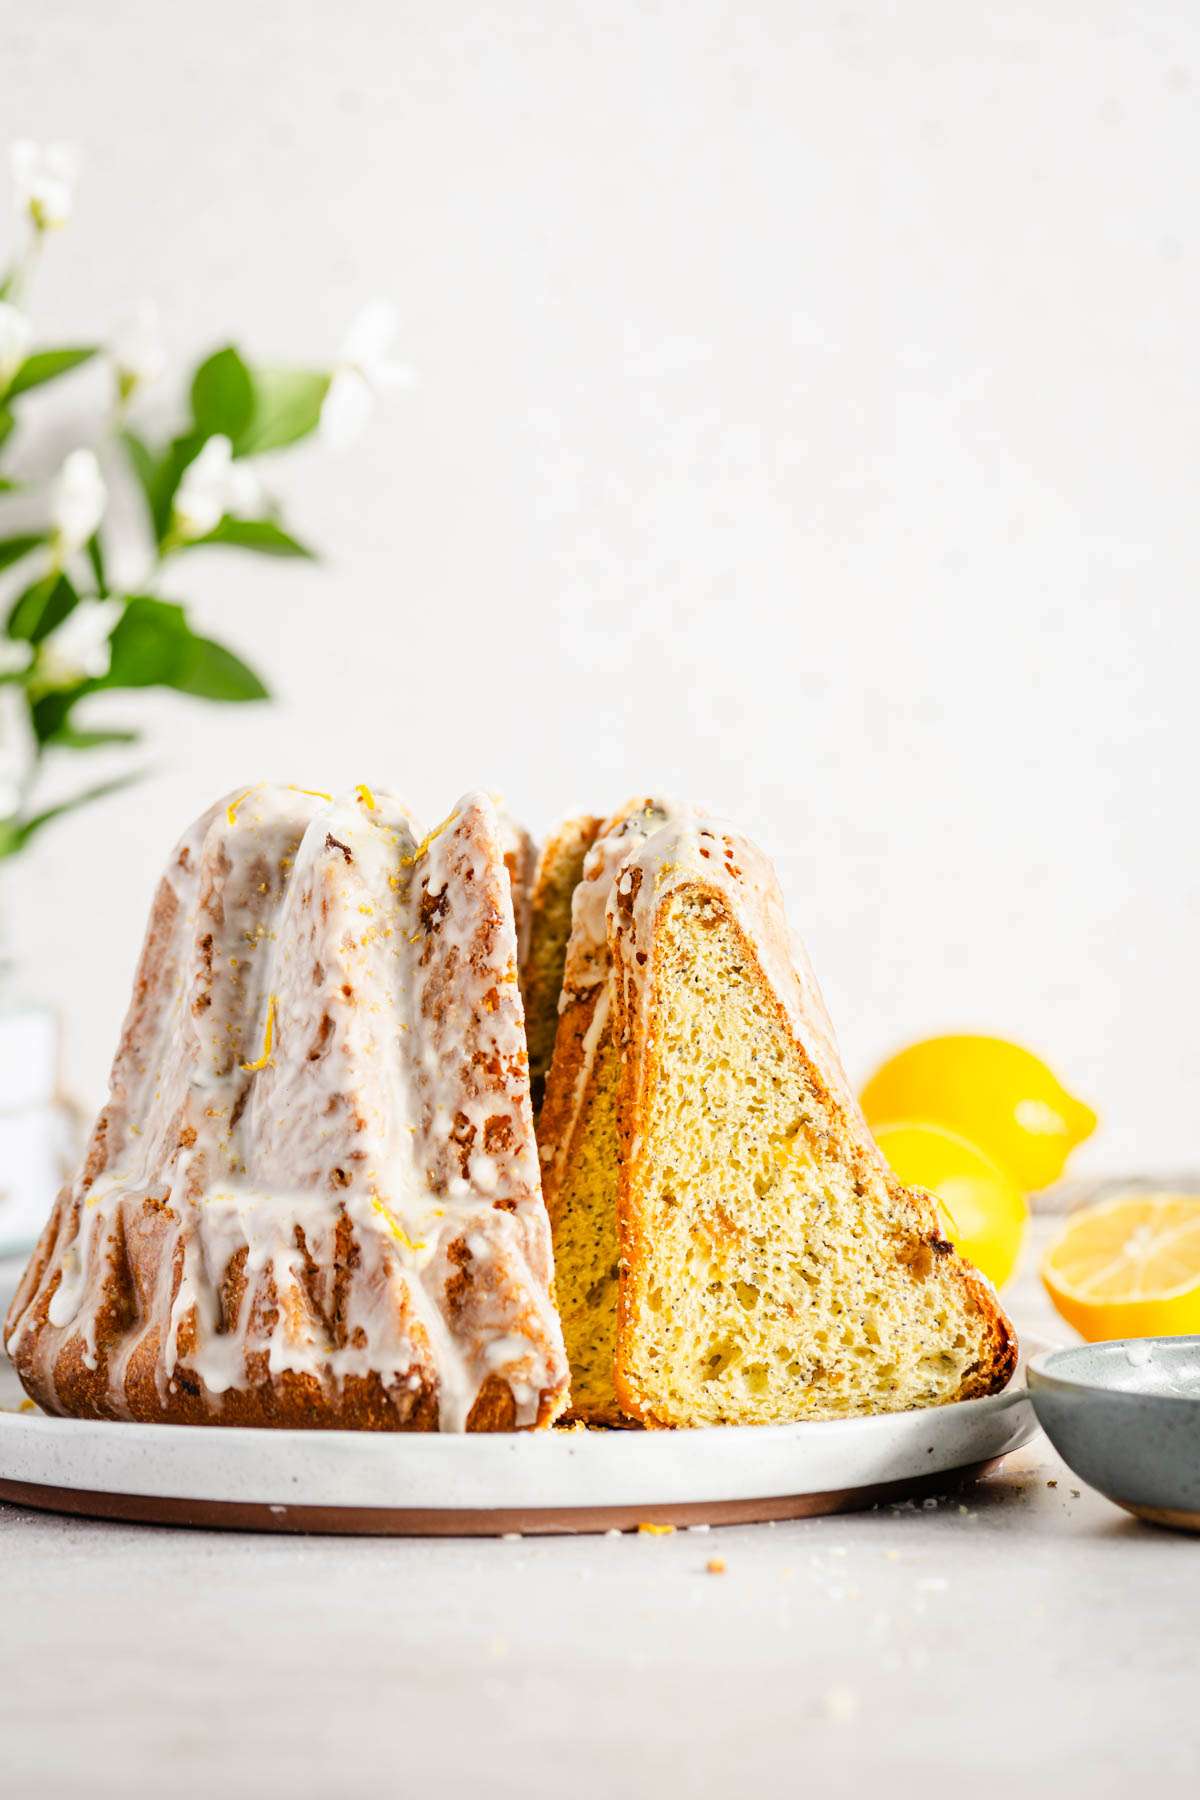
(138, 353)
(364, 370)
(44, 177)
(213, 485)
(78, 501)
(78, 650)
(18, 751)
(16, 335)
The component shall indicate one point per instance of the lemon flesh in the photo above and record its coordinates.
(994, 1094)
(1128, 1267)
(985, 1213)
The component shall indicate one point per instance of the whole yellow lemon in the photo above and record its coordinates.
(993, 1093)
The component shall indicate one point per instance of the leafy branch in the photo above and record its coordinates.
(69, 632)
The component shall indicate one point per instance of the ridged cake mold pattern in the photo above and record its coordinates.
(315, 1181)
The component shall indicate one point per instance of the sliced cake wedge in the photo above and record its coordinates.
(758, 1262)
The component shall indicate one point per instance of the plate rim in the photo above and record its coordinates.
(429, 1483)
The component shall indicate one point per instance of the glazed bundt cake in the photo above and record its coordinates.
(313, 1197)
(730, 1245)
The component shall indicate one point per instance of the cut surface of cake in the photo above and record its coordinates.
(558, 873)
(753, 1260)
(577, 1129)
(313, 1197)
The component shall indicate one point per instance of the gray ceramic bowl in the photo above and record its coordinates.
(1126, 1417)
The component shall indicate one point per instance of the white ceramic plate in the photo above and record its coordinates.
(562, 1481)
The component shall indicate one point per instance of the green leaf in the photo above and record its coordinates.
(148, 644)
(48, 365)
(141, 459)
(154, 646)
(159, 476)
(49, 715)
(70, 737)
(10, 487)
(37, 611)
(7, 421)
(16, 833)
(262, 535)
(287, 407)
(95, 554)
(14, 548)
(222, 395)
(212, 672)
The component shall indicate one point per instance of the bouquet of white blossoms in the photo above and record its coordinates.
(72, 630)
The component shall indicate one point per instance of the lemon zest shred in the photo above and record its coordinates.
(416, 936)
(261, 1062)
(231, 809)
(394, 1226)
(313, 793)
(27, 1406)
(363, 793)
(647, 1529)
(406, 862)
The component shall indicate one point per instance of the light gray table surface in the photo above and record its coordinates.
(1023, 1637)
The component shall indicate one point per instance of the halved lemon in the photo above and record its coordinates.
(993, 1093)
(1128, 1267)
(984, 1211)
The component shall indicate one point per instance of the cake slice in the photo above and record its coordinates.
(313, 1197)
(577, 1127)
(760, 1264)
(558, 873)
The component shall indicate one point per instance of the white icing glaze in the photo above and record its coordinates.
(587, 952)
(586, 971)
(322, 1080)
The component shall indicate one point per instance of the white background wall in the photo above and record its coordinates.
(807, 422)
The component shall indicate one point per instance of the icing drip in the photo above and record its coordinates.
(318, 1136)
(586, 987)
(621, 835)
